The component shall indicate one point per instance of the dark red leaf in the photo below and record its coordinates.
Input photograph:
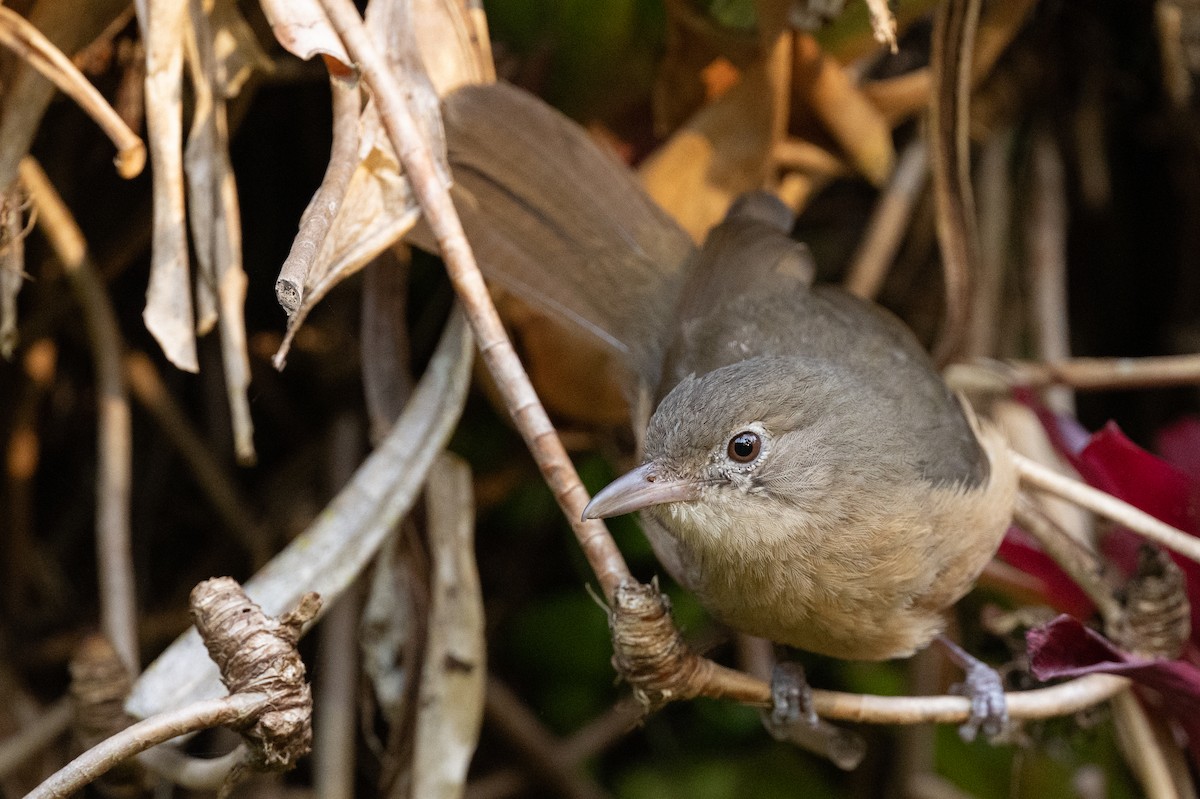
(1020, 550)
(1179, 444)
(1066, 648)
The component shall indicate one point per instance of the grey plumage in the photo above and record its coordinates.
(873, 502)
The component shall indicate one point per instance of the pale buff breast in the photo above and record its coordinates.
(865, 592)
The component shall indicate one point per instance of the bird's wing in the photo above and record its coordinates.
(562, 224)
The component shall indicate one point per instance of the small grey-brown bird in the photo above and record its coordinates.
(805, 471)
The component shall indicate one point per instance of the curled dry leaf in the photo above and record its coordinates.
(303, 29)
(436, 45)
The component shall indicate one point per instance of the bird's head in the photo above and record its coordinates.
(763, 439)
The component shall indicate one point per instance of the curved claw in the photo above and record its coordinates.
(985, 689)
(989, 709)
(791, 696)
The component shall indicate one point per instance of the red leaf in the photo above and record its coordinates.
(1111, 462)
(1179, 444)
(1066, 648)
(1020, 550)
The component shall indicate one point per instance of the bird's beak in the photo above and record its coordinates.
(640, 488)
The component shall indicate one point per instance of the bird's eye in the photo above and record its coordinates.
(744, 447)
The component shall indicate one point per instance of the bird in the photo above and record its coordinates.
(803, 468)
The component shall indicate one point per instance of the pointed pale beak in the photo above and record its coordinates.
(641, 488)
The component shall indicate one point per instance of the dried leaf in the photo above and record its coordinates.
(1064, 647)
(168, 314)
(377, 206)
(822, 85)
(722, 152)
(214, 210)
(303, 29)
(450, 696)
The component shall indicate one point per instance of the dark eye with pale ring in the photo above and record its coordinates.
(744, 447)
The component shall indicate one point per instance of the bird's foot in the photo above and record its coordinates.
(791, 696)
(982, 685)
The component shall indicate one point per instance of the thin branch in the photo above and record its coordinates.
(889, 222)
(1046, 255)
(1085, 567)
(26, 41)
(494, 344)
(951, 51)
(35, 736)
(1039, 703)
(145, 734)
(1108, 506)
(335, 699)
(1142, 751)
(1084, 374)
(118, 597)
(335, 689)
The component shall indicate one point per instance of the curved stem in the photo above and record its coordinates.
(1108, 506)
(145, 734)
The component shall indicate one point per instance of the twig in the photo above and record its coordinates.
(145, 734)
(336, 680)
(494, 345)
(1085, 567)
(889, 222)
(1108, 506)
(335, 699)
(118, 598)
(952, 48)
(1038, 703)
(28, 42)
(1046, 254)
(35, 736)
(1142, 751)
(995, 223)
(1085, 374)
